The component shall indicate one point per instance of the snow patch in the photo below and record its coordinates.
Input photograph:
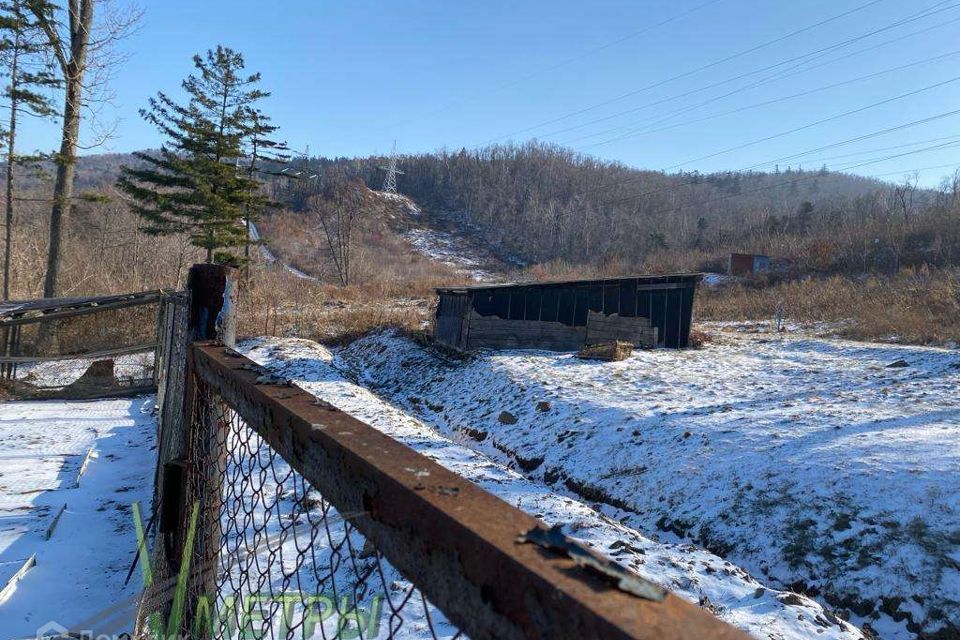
(97, 458)
(690, 572)
(809, 462)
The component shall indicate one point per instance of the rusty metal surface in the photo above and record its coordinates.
(30, 311)
(456, 542)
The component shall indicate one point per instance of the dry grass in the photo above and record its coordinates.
(392, 285)
(275, 302)
(383, 261)
(104, 253)
(917, 306)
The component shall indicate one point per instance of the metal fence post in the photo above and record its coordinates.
(190, 450)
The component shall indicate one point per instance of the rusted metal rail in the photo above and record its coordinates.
(456, 542)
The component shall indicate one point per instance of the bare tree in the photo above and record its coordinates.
(82, 38)
(904, 194)
(30, 74)
(341, 210)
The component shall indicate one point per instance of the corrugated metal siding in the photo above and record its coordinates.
(666, 302)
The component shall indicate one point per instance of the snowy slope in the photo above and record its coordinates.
(808, 462)
(271, 258)
(691, 572)
(96, 458)
(440, 237)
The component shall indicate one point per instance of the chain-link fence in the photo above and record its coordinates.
(276, 559)
(82, 347)
(279, 516)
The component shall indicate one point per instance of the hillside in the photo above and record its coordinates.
(542, 203)
(846, 250)
(539, 203)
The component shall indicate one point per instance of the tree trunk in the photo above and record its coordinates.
(11, 139)
(74, 68)
(63, 188)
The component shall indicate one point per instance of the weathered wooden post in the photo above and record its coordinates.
(191, 452)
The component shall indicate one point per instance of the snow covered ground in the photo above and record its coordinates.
(824, 466)
(691, 572)
(440, 237)
(69, 472)
(59, 373)
(452, 250)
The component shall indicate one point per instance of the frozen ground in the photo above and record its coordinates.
(824, 466)
(136, 366)
(89, 460)
(441, 237)
(691, 572)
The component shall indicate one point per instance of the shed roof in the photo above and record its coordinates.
(644, 278)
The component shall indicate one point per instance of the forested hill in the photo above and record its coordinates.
(543, 203)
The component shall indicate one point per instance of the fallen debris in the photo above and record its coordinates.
(608, 351)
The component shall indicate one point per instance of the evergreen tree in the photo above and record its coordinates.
(29, 77)
(195, 184)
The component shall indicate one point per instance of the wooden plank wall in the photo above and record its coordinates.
(636, 330)
(491, 332)
(451, 322)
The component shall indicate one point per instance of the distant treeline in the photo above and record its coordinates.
(545, 203)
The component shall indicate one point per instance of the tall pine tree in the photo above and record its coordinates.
(196, 183)
(29, 80)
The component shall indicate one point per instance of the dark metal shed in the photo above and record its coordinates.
(650, 310)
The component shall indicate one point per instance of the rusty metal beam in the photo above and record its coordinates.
(31, 316)
(86, 355)
(453, 540)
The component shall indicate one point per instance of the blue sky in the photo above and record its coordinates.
(350, 77)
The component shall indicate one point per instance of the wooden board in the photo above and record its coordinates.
(637, 330)
(491, 332)
(494, 333)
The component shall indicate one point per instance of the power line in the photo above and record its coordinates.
(644, 130)
(798, 180)
(780, 75)
(576, 58)
(876, 150)
(816, 123)
(952, 165)
(860, 138)
(705, 67)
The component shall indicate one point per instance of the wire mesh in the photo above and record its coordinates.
(90, 353)
(271, 557)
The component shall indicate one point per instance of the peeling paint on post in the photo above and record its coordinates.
(213, 292)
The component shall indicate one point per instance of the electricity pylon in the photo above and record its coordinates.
(390, 180)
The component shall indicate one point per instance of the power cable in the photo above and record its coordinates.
(931, 10)
(780, 75)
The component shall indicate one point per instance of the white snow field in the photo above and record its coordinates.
(826, 467)
(689, 571)
(69, 473)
